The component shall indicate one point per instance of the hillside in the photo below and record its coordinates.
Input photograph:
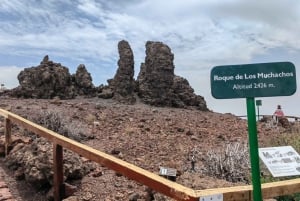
(144, 135)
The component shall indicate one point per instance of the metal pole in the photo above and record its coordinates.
(253, 143)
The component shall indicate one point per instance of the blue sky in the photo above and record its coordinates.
(202, 34)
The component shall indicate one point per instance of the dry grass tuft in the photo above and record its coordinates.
(231, 163)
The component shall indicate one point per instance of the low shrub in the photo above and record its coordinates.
(231, 163)
(54, 121)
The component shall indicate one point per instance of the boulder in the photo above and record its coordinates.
(35, 162)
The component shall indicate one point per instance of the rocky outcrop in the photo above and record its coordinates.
(156, 76)
(185, 94)
(50, 79)
(159, 86)
(83, 81)
(34, 163)
(47, 80)
(123, 83)
(156, 83)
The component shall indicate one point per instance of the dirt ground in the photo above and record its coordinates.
(146, 136)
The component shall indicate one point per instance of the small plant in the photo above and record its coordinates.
(129, 130)
(90, 118)
(231, 163)
(55, 122)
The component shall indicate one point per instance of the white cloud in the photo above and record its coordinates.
(91, 7)
(8, 76)
(201, 34)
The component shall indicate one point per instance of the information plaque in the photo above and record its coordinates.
(253, 80)
(281, 161)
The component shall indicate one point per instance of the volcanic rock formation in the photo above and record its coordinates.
(185, 94)
(123, 84)
(156, 77)
(83, 80)
(157, 83)
(50, 79)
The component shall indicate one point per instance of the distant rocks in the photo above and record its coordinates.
(156, 83)
(123, 84)
(83, 81)
(157, 73)
(50, 79)
(185, 94)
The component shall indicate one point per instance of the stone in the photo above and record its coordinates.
(185, 94)
(83, 80)
(134, 197)
(159, 86)
(5, 194)
(50, 79)
(156, 76)
(35, 165)
(70, 189)
(284, 122)
(156, 83)
(123, 83)
(106, 93)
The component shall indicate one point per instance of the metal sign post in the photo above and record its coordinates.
(250, 81)
(253, 144)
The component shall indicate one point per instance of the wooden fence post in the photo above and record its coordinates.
(58, 183)
(7, 135)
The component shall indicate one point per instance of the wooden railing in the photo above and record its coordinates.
(263, 115)
(154, 181)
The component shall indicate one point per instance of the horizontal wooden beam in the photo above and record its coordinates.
(3, 113)
(278, 188)
(267, 115)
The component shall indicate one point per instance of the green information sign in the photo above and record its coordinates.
(250, 81)
(253, 80)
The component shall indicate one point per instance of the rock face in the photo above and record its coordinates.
(50, 79)
(83, 81)
(159, 86)
(34, 163)
(185, 94)
(123, 84)
(156, 83)
(156, 75)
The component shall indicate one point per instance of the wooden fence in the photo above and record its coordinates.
(154, 181)
(270, 116)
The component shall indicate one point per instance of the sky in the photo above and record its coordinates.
(202, 34)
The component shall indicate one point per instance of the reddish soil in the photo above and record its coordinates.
(146, 136)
